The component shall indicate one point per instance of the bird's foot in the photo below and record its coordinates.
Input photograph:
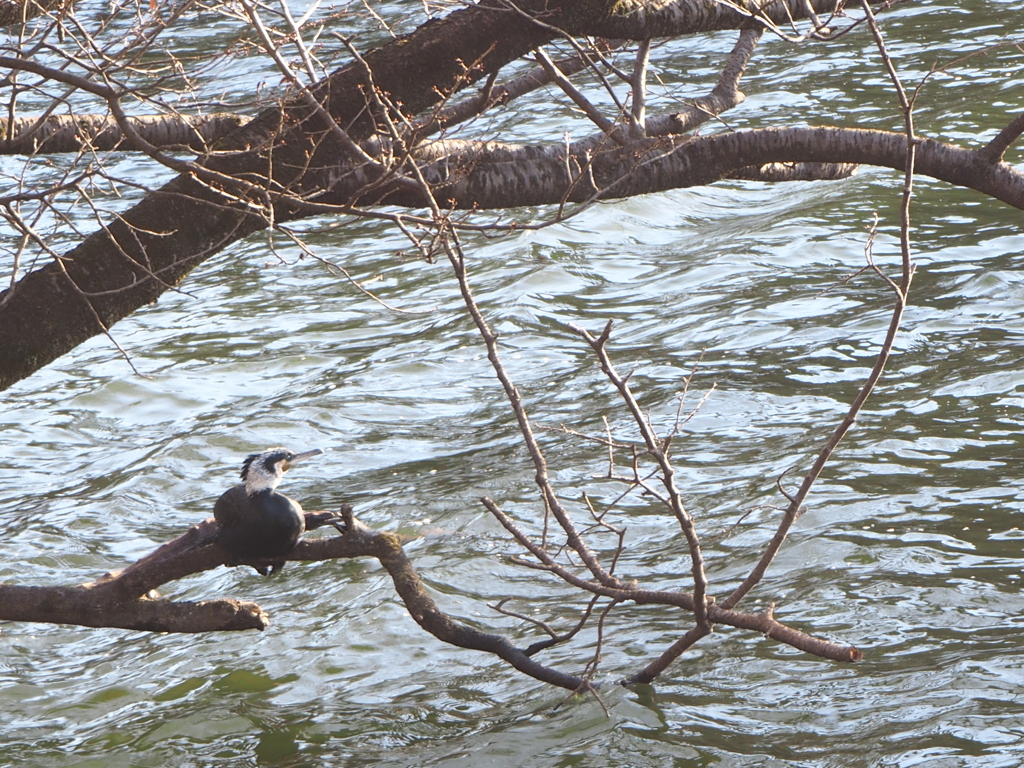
(343, 521)
(316, 520)
(269, 570)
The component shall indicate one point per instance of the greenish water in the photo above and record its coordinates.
(912, 548)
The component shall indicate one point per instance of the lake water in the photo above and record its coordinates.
(911, 549)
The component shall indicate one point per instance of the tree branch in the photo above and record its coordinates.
(287, 156)
(124, 599)
(83, 606)
(70, 133)
(902, 291)
(724, 96)
(993, 151)
(655, 449)
(632, 592)
(18, 11)
(493, 175)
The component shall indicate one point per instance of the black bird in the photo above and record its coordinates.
(255, 522)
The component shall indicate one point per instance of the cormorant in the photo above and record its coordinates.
(255, 522)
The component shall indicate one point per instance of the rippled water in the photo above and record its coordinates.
(911, 550)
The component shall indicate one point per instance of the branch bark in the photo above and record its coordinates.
(125, 599)
(492, 175)
(68, 133)
(17, 11)
(84, 607)
(282, 152)
(288, 154)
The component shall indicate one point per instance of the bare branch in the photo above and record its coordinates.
(607, 126)
(993, 151)
(68, 133)
(512, 393)
(631, 591)
(121, 599)
(659, 665)
(499, 95)
(655, 449)
(724, 96)
(638, 109)
(796, 506)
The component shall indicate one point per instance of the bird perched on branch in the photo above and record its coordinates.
(255, 522)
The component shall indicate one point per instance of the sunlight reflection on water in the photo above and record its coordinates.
(911, 549)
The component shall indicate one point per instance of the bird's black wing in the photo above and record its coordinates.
(230, 509)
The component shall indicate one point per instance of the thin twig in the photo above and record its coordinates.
(654, 447)
(607, 126)
(638, 109)
(796, 506)
(457, 259)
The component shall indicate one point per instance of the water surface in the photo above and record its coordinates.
(911, 549)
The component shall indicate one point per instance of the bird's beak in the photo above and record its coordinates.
(300, 456)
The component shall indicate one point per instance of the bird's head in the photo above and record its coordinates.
(263, 471)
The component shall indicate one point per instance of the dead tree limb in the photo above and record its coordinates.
(600, 580)
(126, 600)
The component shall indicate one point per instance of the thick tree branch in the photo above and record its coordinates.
(87, 608)
(644, 19)
(724, 96)
(124, 598)
(285, 155)
(773, 173)
(178, 227)
(69, 133)
(468, 175)
(995, 149)
(17, 11)
(492, 175)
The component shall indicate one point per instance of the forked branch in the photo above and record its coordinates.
(125, 599)
(658, 453)
(600, 582)
(796, 504)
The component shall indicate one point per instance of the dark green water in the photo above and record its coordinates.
(912, 548)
